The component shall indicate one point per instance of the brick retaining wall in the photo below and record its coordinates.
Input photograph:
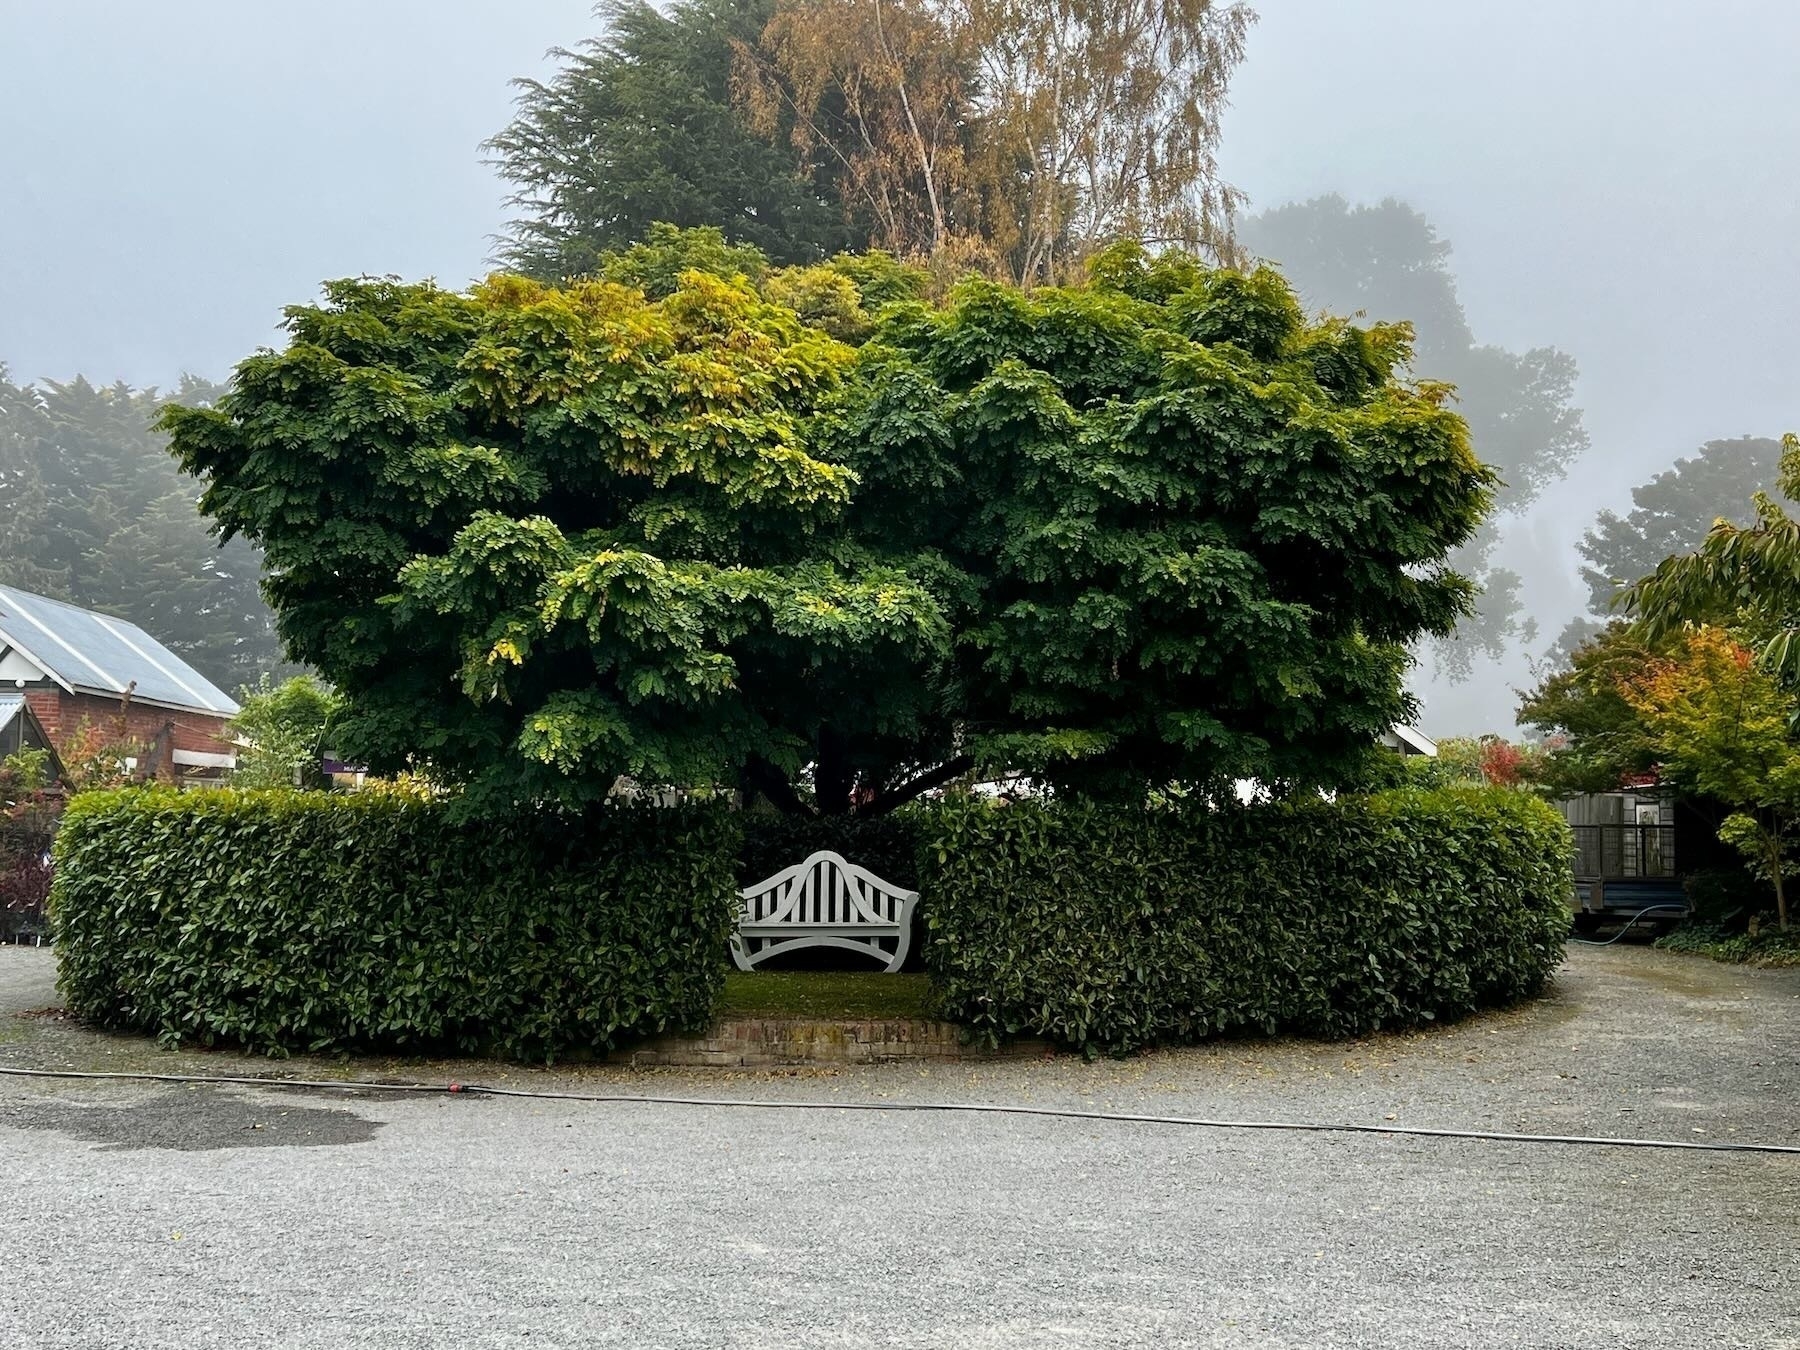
(774, 1042)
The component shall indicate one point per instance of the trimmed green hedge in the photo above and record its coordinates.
(305, 921)
(1108, 929)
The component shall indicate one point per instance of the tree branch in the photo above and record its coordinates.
(897, 797)
(774, 784)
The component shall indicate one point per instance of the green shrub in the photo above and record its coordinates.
(306, 921)
(1770, 947)
(1108, 928)
(1724, 898)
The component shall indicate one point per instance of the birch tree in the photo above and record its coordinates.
(878, 93)
(1098, 120)
(1023, 135)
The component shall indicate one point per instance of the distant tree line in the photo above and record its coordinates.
(1388, 262)
(94, 511)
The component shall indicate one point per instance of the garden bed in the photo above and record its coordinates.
(1765, 949)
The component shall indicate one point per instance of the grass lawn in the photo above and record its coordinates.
(823, 994)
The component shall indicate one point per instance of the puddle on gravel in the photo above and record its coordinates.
(1694, 983)
(193, 1121)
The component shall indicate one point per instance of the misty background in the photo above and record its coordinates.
(1615, 180)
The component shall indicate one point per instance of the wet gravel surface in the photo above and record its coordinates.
(164, 1215)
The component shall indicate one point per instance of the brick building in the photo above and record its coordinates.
(74, 666)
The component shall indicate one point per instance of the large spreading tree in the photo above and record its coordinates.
(1156, 527)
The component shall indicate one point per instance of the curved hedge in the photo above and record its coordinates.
(305, 921)
(1109, 929)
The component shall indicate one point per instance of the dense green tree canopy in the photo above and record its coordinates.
(1597, 740)
(1388, 262)
(93, 511)
(1156, 527)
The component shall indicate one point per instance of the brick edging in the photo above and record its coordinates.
(774, 1042)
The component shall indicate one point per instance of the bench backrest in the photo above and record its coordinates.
(826, 888)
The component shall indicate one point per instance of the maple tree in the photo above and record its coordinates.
(1722, 727)
(1157, 527)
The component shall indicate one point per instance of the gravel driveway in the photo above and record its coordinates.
(151, 1216)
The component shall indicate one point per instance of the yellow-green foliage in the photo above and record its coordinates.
(1158, 526)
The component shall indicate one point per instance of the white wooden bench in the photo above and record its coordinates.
(826, 901)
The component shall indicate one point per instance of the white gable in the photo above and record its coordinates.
(1409, 741)
(16, 666)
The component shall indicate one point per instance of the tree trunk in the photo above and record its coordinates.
(1775, 873)
(833, 778)
(927, 160)
(776, 787)
(896, 797)
(834, 783)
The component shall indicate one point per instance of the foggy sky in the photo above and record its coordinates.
(180, 171)
(1617, 178)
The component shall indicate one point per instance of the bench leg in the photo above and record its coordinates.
(904, 944)
(740, 954)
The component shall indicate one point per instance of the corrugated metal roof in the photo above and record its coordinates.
(91, 653)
